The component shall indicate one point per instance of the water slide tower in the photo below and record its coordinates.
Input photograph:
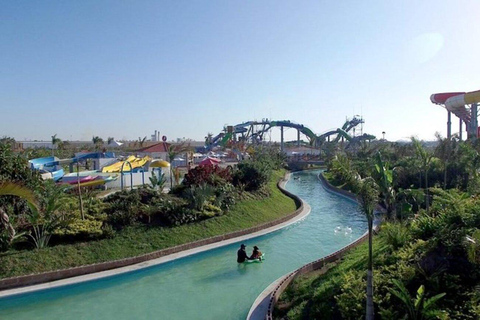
(464, 105)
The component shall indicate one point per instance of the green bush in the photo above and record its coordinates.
(396, 235)
(351, 301)
(251, 175)
(79, 229)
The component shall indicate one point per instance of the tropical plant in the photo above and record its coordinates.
(14, 189)
(49, 216)
(368, 199)
(97, 141)
(157, 182)
(55, 142)
(420, 307)
(444, 152)
(208, 174)
(141, 141)
(473, 247)
(385, 182)
(425, 158)
(172, 152)
(110, 140)
(200, 196)
(251, 175)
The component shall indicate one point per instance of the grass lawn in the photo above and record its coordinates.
(139, 240)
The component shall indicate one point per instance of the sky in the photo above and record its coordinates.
(186, 68)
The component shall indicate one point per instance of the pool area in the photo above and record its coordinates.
(207, 285)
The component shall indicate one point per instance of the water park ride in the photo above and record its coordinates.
(48, 167)
(132, 160)
(254, 132)
(464, 106)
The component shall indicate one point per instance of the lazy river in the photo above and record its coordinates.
(207, 285)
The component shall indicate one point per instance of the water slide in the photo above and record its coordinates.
(247, 130)
(457, 102)
(116, 167)
(48, 166)
(134, 161)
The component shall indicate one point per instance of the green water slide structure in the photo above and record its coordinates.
(254, 131)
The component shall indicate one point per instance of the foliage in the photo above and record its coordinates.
(396, 235)
(420, 307)
(343, 172)
(209, 174)
(140, 239)
(251, 175)
(8, 233)
(81, 230)
(157, 183)
(352, 298)
(49, 216)
(385, 182)
(15, 168)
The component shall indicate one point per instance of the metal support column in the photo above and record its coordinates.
(474, 121)
(298, 138)
(460, 130)
(281, 139)
(449, 125)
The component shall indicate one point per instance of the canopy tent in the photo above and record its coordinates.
(209, 161)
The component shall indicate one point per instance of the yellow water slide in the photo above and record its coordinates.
(116, 167)
(138, 162)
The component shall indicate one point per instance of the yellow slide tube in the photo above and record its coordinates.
(472, 97)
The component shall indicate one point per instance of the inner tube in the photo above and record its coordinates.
(260, 260)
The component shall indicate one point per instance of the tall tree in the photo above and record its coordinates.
(368, 199)
(444, 151)
(97, 141)
(425, 158)
(55, 141)
(141, 141)
(385, 182)
(173, 151)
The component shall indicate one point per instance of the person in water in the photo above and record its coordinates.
(242, 255)
(256, 254)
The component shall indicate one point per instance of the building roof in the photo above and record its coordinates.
(159, 147)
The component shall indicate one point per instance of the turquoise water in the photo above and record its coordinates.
(208, 285)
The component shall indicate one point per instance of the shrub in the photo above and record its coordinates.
(396, 235)
(251, 175)
(351, 300)
(79, 229)
(211, 175)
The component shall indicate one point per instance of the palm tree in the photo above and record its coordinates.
(385, 182)
(368, 199)
(97, 141)
(110, 140)
(14, 189)
(173, 151)
(425, 158)
(444, 151)
(55, 141)
(141, 141)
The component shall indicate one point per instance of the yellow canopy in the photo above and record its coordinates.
(159, 164)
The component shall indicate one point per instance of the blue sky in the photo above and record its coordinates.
(186, 68)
